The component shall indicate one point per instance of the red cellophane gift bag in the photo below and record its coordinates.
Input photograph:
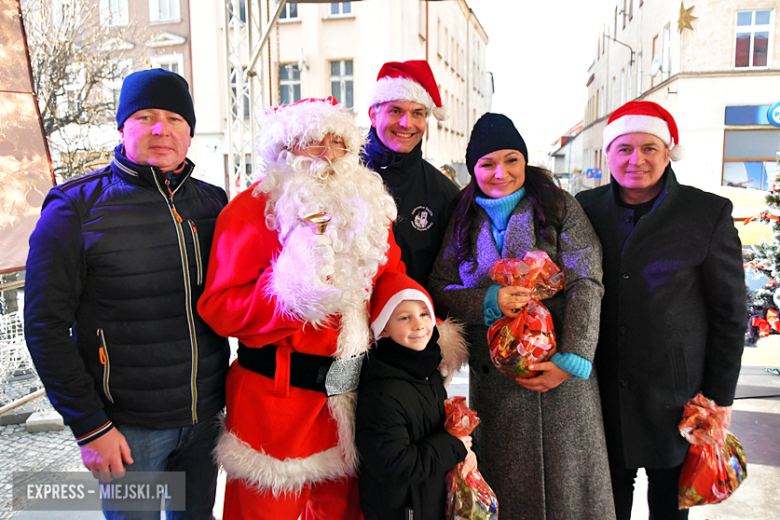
(715, 465)
(529, 338)
(468, 498)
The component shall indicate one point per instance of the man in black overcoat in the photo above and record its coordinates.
(674, 313)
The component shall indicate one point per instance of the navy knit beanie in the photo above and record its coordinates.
(493, 132)
(155, 88)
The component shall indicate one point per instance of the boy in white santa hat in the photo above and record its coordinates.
(297, 302)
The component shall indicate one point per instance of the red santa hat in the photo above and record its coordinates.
(408, 81)
(645, 117)
(391, 289)
(309, 119)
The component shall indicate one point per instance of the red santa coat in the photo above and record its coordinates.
(277, 437)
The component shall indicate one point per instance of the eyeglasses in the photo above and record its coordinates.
(318, 150)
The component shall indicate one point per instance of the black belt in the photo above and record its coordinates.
(307, 371)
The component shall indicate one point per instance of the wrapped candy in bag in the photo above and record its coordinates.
(715, 465)
(528, 338)
(468, 498)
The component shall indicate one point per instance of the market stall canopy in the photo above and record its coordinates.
(25, 168)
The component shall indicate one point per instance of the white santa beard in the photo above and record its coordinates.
(353, 195)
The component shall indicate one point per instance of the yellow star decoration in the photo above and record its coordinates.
(685, 18)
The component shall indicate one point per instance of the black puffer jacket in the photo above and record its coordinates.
(405, 452)
(114, 273)
(424, 198)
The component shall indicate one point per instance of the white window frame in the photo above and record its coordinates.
(346, 81)
(622, 87)
(639, 73)
(163, 61)
(286, 14)
(613, 97)
(64, 101)
(173, 8)
(629, 72)
(666, 57)
(288, 83)
(340, 8)
(119, 18)
(753, 29)
(113, 86)
(235, 95)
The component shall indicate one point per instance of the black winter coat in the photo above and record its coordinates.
(673, 316)
(405, 453)
(424, 199)
(112, 284)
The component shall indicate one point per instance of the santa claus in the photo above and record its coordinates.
(295, 295)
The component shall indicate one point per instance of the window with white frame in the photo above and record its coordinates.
(340, 9)
(439, 39)
(120, 69)
(237, 102)
(422, 18)
(71, 98)
(629, 71)
(289, 83)
(341, 82)
(666, 58)
(753, 35)
(613, 97)
(164, 10)
(446, 51)
(622, 86)
(639, 73)
(169, 62)
(113, 13)
(289, 11)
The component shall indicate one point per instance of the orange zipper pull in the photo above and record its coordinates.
(103, 359)
(176, 215)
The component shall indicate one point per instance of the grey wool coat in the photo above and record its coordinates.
(544, 454)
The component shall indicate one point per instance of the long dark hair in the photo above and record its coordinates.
(542, 192)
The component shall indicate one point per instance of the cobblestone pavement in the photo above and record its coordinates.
(22, 451)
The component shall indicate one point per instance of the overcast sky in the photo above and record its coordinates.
(539, 54)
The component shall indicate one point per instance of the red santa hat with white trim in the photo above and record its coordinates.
(646, 117)
(408, 81)
(391, 289)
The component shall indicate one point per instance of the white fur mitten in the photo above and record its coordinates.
(299, 279)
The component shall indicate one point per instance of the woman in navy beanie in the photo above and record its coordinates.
(544, 452)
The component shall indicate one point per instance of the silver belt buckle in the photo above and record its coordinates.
(343, 375)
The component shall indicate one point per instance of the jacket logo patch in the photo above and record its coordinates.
(421, 220)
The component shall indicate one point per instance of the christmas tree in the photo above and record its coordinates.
(764, 259)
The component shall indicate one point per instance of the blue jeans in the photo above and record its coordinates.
(186, 449)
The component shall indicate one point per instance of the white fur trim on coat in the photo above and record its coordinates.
(454, 349)
(258, 469)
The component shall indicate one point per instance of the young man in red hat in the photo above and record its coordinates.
(673, 316)
(402, 98)
(296, 295)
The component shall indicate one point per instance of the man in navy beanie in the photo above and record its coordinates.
(115, 269)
